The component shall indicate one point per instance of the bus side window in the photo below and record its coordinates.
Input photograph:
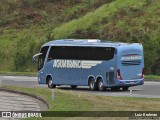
(81, 53)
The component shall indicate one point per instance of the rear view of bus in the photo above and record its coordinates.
(130, 68)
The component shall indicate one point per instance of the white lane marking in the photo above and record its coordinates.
(136, 89)
(19, 78)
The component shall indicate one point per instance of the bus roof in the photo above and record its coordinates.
(84, 42)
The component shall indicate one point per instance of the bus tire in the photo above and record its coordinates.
(50, 83)
(73, 86)
(93, 85)
(100, 85)
(125, 88)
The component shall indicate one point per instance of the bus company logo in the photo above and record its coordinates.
(75, 63)
(131, 57)
(67, 64)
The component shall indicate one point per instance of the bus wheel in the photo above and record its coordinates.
(73, 86)
(125, 88)
(93, 85)
(50, 83)
(100, 85)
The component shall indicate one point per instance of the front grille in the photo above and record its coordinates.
(127, 63)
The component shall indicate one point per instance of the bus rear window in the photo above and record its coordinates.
(131, 59)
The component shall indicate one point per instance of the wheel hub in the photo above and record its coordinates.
(92, 84)
(50, 82)
(100, 84)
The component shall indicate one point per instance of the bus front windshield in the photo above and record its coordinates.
(41, 58)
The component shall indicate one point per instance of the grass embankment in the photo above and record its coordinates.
(152, 78)
(71, 101)
(26, 25)
(120, 20)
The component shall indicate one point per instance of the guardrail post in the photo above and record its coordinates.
(0, 81)
(53, 94)
(131, 93)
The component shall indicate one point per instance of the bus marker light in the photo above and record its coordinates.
(142, 73)
(119, 75)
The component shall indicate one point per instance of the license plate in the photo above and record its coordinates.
(131, 82)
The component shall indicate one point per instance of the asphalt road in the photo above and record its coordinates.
(148, 90)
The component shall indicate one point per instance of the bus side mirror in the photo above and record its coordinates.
(35, 57)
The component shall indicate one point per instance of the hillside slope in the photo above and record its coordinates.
(26, 25)
(121, 20)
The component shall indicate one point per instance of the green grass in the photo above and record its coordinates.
(102, 13)
(152, 78)
(66, 100)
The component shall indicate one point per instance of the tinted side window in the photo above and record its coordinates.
(81, 53)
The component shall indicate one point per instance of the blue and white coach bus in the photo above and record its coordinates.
(95, 63)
